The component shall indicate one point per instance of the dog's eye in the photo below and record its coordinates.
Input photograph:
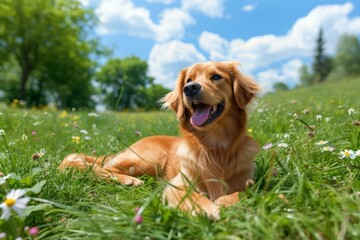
(189, 80)
(216, 77)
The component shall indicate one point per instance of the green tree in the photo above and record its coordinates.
(50, 44)
(148, 97)
(280, 86)
(321, 63)
(347, 58)
(122, 80)
(306, 77)
(9, 79)
(321, 66)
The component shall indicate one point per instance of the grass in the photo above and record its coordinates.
(300, 190)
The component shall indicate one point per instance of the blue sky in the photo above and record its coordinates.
(270, 38)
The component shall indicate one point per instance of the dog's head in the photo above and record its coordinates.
(207, 92)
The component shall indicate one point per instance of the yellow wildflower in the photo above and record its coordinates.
(75, 139)
(64, 114)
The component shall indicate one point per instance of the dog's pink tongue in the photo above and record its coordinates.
(201, 114)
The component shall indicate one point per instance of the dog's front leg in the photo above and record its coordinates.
(181, 194)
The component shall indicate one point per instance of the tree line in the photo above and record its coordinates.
(344, 64)
(325, 68)
(48, 53)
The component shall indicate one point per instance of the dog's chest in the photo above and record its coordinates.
(208, 163)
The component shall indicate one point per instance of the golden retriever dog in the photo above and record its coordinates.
(212, 161)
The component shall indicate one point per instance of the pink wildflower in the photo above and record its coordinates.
(267, 146)
(138, 219)
(33, 231)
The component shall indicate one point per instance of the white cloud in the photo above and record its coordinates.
(211, 8)
(161, 1)
(261, 51)
(167, 59)
(215, 45)
(333, 19)
(85, 2)
(249, 7)
(288, 74)
(172, 24)
(122, 16)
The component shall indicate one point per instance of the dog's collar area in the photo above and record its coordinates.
(205, 114)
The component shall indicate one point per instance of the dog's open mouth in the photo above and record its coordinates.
(204, 113)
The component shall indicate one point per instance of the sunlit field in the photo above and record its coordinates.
(307, 183)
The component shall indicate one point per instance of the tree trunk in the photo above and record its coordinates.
(26, 67)
(24, 77)
(38, 94)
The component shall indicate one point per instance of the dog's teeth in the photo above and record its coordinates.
(213, 109)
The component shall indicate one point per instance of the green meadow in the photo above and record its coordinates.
(307, 182)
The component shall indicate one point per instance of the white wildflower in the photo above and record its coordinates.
(283, 145)
(306, 111)
(42, 152)
(24, 138)
(357, 153)
(3, 179)
(37, 123)
(327, 149)
(92, 114)
(347, 154)
(14, 201)
(2, 132)
(83, 131)
(321, 142)
(351, 111)
(318, 117)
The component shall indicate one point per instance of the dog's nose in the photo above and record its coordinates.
(191, 89)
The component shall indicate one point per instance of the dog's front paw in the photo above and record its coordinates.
(131, 181)
(222, 201)
(126, 180)
(212, 212)
(227, 200)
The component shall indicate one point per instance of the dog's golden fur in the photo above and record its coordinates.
(211, 162)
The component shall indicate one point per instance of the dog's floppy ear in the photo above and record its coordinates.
(173, 100)
(244, 88)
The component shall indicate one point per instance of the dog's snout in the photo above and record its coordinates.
(192, 89)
